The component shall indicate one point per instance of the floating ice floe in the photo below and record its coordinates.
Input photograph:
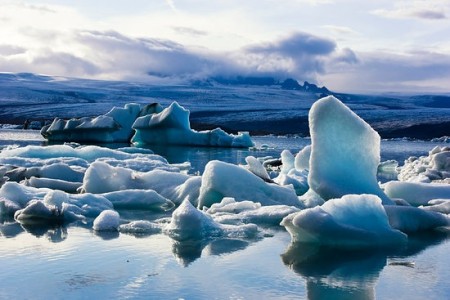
(171, 127)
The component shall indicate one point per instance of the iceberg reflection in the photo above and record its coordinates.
(332, 273)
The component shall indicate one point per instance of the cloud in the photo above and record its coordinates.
(426, 10)
(300, 55)
(342, 30)
(414, 71)
(7, 50)
(189, 31)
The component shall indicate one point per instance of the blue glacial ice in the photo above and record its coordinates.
(345, 152)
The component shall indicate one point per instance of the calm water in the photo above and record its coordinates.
(75, 263)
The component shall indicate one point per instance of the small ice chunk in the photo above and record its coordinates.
(257, 168)
(350, 221)
(108, 220)
(302, 158)
(190, 223)
(288, 161)
(8, 207)
(345, 152)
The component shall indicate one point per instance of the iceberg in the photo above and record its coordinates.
(345, 152)
(171, 127)
(352, 221)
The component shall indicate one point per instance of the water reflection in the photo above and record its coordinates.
(343, 274)
(9, 229)
(54, 233)
(186, 252)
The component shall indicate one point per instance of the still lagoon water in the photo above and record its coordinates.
(74, 262)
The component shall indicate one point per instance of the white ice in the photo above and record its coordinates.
(172, 127)
(107, 220)
(345, 152)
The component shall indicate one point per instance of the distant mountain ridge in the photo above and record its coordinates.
(287, 84)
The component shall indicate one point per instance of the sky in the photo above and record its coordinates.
(371, 46)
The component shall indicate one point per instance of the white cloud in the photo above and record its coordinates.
(426, 10)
